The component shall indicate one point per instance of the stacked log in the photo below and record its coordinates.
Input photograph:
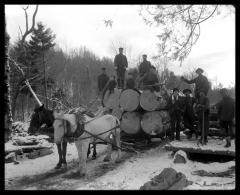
(111, 100)
(130, 122)
(129, 100)
(144, 111)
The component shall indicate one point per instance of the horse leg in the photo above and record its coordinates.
(64, 152)
(82, 147)
(109, 152)
(89, 150)
(94, 156)
(118, 143)
(59, 148)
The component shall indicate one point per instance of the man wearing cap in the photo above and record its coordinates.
(145, 66)
(150, 78)
(201, 83)
(102, 80)
(175, 108)
(226, 113)
(188, 115)
(121, 63)
(202, 110)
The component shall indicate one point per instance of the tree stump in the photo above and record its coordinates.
(130, 123)
(129, 100)
(152, 123)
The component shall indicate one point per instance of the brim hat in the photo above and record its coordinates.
(187, 90)
(175, 89)
(103, 68)
(144, 55)
(120, 48)
(199, 69)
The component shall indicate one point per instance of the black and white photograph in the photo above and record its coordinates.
(119, 97)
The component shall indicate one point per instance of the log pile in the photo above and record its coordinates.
(140, 112)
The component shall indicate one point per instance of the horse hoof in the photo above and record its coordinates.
(58, 166)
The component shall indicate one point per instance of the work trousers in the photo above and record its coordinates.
(121, 78)
(227, 126)
(175, 127)
(206, 124)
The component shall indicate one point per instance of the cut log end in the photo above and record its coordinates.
(130, 123)
(129, 100)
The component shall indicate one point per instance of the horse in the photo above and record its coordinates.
(42, 116)
(105, 127)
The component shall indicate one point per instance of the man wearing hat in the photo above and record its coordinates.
(175, 111)
(102, 80)
(145, 66)
(201, 83)
(226, 113)
(121, 63)
(188, 115)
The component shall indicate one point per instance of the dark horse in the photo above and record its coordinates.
(42, 116)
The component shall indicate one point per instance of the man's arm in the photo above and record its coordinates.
(115, 61)
(188, 81)
(126, 62)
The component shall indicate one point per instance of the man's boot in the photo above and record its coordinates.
(228, 144)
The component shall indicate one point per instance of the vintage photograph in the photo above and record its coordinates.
(119, 97)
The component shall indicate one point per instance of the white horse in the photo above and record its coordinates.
(93, 125)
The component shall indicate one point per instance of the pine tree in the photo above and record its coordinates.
(41, 42)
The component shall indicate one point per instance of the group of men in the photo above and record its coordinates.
(187, 109)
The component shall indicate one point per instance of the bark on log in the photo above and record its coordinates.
(152, 123)
(149, 101)
(130, 123)
(111, 101)
(129, 100)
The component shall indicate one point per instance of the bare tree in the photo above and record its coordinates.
(22, 41)
(180, 26)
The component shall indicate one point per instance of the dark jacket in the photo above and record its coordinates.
(144, 67)
(150, 79)
(102, 81)
(188, 107)
(120, 61)
(130, 83)
(226, 109)
(175, 107)
(201, 83)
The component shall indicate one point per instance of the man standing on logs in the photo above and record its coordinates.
(145, 66)
(175, 112)
(120, 63)
(202, 110)
(188, 115)
(150, 80)
(102, 80)
(201, 83)
(226, 112)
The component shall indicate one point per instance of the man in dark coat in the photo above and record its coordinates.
(201, 83)
(120, 63)
(202, 111)
(175, 109)
(102, 80)
(226, 113)
(189, 115)
(145, 66)
(150, 78)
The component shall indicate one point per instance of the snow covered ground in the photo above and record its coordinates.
(132, 173)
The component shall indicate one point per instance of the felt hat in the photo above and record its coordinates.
(144, 55)
(175, 89)
(199, 69)
(120, 48)
(187, 90)
(103, 68)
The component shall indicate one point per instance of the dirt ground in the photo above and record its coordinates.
(131, 173)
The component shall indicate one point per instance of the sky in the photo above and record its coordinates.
(83, 25)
